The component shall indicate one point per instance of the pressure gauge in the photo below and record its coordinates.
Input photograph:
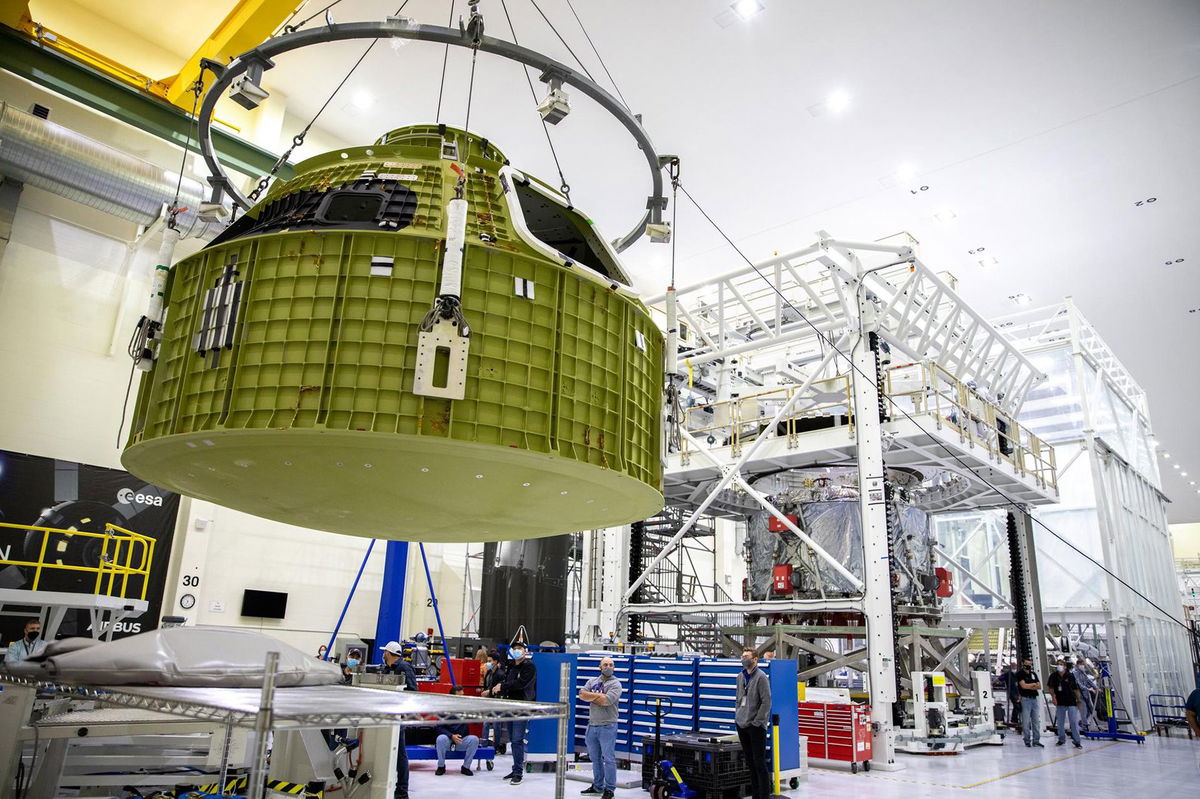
(187, 601)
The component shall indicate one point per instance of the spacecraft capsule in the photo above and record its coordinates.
(325, 363)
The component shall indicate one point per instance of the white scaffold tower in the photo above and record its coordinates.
(843, 353)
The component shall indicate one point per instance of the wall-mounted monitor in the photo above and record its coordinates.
(264, 604)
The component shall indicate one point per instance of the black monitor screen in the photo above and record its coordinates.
(264, 604)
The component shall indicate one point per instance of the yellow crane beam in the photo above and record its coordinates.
(247, 25)
(13, 12)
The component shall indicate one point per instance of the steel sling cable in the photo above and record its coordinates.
(1007, 499)
(298, 139)
(564, 187)
(561, 39)
(599, 58)
(437, 117)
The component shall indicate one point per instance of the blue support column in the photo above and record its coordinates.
(391, 597)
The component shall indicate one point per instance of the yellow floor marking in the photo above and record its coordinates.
(1039, 765)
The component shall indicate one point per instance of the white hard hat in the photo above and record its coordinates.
(393, 647)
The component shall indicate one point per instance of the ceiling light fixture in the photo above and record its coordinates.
(1020, 298)
(838, 102)
(748, 9)
(363, 99)
(1167, 455)
(945, 216)
(988, 260)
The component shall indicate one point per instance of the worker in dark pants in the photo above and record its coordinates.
(393, 663)
(753, 717)
(520, 682)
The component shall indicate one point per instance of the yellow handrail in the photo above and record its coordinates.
(130, 555)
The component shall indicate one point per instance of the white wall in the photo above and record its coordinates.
(70, 295)
(1185, 540)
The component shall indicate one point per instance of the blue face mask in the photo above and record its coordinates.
(516, 654)
(352, 662)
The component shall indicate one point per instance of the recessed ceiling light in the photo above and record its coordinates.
(747, 9)
(1183, 474)
(838, 102)
(1020, 298)
(363, 99)
(1167, 455)
(906, 171)
(988, 260)
(1176, 465)
(945, 216)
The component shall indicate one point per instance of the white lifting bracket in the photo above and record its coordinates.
(444, 340)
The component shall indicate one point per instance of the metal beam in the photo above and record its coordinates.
(248, 24)
(85, 85)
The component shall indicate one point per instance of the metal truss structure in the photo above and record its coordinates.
(1110, 507)
(796, 362)
(824, 649)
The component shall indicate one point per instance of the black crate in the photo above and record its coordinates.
(706, 766)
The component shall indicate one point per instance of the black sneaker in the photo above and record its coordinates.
(466, 771)
(440, 770)
(511, 774)
(607, 795)
(1060, 743)
(1040, 744)
(1078, 746)
(516, 779)
(591, 789)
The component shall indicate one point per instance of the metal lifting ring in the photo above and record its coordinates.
(260, 59)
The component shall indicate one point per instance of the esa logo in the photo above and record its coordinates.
(126, 497)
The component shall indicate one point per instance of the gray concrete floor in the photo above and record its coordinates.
(1163, 767)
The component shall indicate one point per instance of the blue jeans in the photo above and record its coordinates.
(516, 738)
(468, 746)
(1063, 714)
(1031, 719)
(602, 749)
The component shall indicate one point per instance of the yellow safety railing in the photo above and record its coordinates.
(927, 388)
(123, 555)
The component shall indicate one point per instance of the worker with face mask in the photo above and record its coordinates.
(493, 676)
(1064, 691)
(29, 645)
(753, 717)
(1029, 685)
(520, 682)
(602, 695)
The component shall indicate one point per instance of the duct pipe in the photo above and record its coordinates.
(49, 156)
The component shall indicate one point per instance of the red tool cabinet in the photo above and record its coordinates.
(837, 732)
